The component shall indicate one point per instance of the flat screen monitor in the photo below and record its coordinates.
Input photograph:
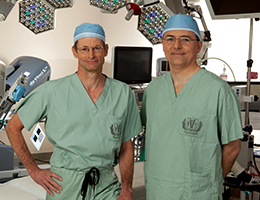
(162, 66)
(132, 65)
(233, 9)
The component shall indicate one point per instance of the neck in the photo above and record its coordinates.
(181, 76)
(94, 85)
(180, 73)
(92, 80)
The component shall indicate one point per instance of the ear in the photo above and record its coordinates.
(75, 54)
(163, 46)
(199, 46)
(162, 43)
(106, 50)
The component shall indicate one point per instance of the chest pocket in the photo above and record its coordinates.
(194, 122)
(115, 125)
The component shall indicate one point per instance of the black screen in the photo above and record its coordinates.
(165, 66)
(133, 64)
(225, 7)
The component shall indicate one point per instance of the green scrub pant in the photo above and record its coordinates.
(108, 186)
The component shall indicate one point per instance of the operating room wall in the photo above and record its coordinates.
(230, 42)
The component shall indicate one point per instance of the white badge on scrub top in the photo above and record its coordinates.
(37, 137)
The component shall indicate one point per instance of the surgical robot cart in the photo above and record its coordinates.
(18, 79)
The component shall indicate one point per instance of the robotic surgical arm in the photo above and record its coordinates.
(11, 96)
(22, 76)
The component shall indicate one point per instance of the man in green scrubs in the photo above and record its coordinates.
(192, 120)
(90, 119)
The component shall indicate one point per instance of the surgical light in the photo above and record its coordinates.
(5, 8)
(37, 15)
(152, 20)
(110, 6)
(60, 3)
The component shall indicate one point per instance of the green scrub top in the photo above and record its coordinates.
(185, 134)
(84, 134)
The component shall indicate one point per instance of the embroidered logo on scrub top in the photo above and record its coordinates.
(191, 126)
(116, 130)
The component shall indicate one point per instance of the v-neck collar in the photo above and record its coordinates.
(186, 87)
(88, 101)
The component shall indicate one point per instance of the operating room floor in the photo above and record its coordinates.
(138, 181)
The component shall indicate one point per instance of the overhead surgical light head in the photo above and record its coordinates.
(152, 20)
(39, 15)
(61, 3)
(110, 6)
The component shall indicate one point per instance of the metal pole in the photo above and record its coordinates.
(249, 65)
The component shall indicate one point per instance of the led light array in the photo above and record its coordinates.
(60, 3)
(152, 21)
(109, 5)
(37, 15)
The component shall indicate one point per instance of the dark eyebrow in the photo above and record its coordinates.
(180, 36)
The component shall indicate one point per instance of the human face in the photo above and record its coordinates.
(181, 55)
(91, 61)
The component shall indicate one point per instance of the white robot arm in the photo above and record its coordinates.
(23, 75)
(11, 96)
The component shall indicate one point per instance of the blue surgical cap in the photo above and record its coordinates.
(89, 30)
(182, 22)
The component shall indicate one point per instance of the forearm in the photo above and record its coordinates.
(126, 165)
(230, 152)
(24, 154)
(13, 131)
(40, 176)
